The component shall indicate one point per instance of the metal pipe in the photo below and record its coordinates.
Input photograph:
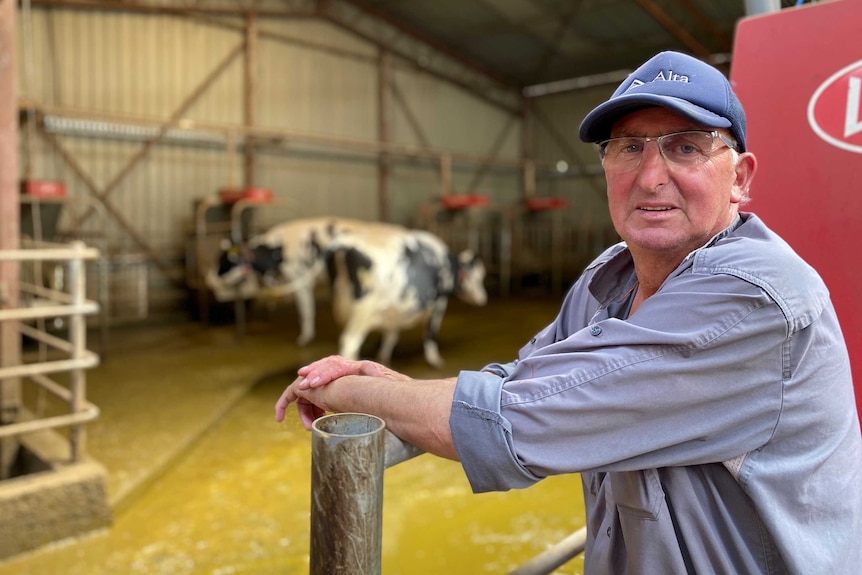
(57, 117)
(754, 7)
(398, 451)
(52, 252)
(349, 452)
(45, 293)
(347, 459)
(43, 337)
(86, 361)
(199, 273)
(88, 413)
(49, 311)
(78, 341)
(52, 386)
(556, 556)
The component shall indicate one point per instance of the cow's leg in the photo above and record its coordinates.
(387, 345)
(351, 340)
(306, 308)
(432, 328)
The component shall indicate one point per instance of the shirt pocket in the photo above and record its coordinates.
(637, 494)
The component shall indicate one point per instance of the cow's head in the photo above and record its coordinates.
(232, 277)
(470, 285)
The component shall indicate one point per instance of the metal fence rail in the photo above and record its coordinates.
(349, 453)
(39, 302)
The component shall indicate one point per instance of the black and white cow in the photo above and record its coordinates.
(388, 282)
(287, 260)
(384, 277)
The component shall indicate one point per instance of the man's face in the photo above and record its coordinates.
(660, 208)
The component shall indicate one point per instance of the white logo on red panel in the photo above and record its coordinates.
(835, 109)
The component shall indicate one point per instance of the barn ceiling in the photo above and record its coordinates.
(531, 45)
(529, 42)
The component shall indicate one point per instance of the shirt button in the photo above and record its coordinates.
(595, 330)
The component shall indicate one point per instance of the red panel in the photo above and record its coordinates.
(462, 201)
(233, 195)
(798, 74)
(544, 204)
(43, 188)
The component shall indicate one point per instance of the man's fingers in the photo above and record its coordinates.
(281, 407)
(326, 370)
(288, 396)
(308, 412)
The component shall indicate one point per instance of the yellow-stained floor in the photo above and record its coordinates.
(203, 481)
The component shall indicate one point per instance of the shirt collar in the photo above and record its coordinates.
(616, 277)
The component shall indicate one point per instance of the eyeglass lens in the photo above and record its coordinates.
(684, 148)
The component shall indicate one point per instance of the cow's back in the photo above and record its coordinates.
(393, 277)
(306, 241)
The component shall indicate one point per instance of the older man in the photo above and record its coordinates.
(696, 375)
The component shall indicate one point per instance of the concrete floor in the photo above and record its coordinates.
(203, 481)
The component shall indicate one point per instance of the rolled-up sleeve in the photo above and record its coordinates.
(689, 379)
(483, 437)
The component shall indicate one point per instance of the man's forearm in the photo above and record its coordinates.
(417, 411)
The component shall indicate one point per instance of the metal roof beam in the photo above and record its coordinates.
(674, 27)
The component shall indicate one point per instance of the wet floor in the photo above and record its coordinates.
(203, 481)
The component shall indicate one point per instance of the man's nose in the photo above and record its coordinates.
(653, 167)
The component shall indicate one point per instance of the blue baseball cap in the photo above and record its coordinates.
(678, 82)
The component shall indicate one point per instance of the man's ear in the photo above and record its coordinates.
(746, 167)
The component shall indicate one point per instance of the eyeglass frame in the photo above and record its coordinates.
(658, 140)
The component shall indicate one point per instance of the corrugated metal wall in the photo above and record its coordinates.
(103, 83)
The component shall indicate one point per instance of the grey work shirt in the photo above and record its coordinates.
(715, 429)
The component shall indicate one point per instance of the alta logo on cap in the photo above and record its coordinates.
(835, 109)
(662, 76)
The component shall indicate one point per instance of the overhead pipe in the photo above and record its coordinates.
(755, 7)
(594, 80)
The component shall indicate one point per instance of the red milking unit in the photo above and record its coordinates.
(798, 73)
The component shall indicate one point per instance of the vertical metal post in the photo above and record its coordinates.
(445, 174)
(755, 7)
(250, 94)
(529, 178)
(347, 462)
(10, 337)
(78, 341)
(384, 80)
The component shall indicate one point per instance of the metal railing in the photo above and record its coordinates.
(349, 452)
(38, 302)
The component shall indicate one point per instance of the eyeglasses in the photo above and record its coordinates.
(681, 148)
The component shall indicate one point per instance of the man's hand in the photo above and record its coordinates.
(331, 368)
(319, 373)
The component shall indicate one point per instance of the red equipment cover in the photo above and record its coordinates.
(798, 74)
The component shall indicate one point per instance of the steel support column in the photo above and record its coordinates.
(10, 339)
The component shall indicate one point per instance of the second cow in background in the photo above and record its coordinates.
(384, 278)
